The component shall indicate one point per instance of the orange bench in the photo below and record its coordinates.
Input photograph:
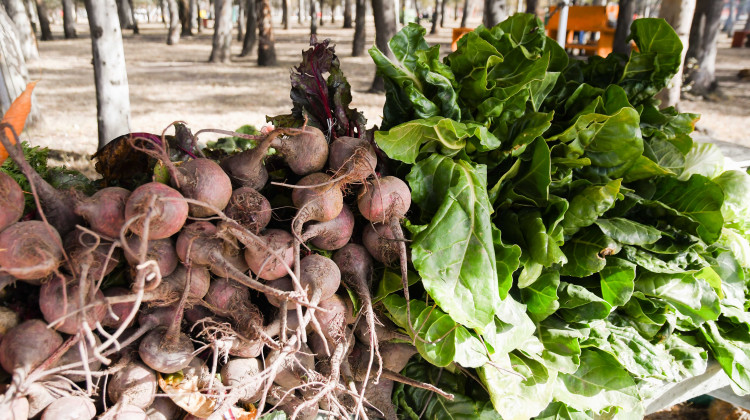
(588, 19)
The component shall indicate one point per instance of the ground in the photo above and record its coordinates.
(169, 83)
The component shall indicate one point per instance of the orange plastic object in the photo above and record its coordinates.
(457, 34)
(589, 19)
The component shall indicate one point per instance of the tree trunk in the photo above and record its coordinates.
(729, 23)
(17, 13)
(703, 77)
(433, 28)
(417, 11)
(333, 13)
(69, 19)
(313, 17)
(124, 14)
(320, 8)
(360, 31)
(347, 14)
(385, 28)
(41, 10)
(132, 17)
(222, 41)
(679, 14)
(173, 37)
(251, 32)
(466, 12)
(622, 31)
(285, 8)
(300, 11)
(183, 7)
(266, 43)
(33, 16)
(241, 21)
(14, 74)
(110, 76)
(531, 6)
(164, 11)
(442, 13)
(195, 19)
(495, 11)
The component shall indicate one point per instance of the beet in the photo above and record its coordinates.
(163, 409)
(70, 408)
(160, 250)
(16, 409)
(30, 250)
(244, 374)
(82, 248)
(73, 355)
(320, 203)
(203, 180)
(58, 300)
(168, 212)
(134, 384)
(353, 159)
(384, 199)
(163, 354)
(27, 345)
(264, 264)
(333, 234)
(11, 201)
(320, 276)
(249, 208)
(380, 243)
(124, 412)
(304, 153)
(121, 310)
(105, 210)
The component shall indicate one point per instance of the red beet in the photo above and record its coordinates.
(168, 212)
(105, 210)
(59, 301)
(11, 201)
(353, 159)
(30, 250)
(249, 208)
(333, 234)
(160, 250)
(83, 250)
(27, 345)
(203, 180)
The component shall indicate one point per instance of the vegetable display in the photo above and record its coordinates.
(576, 248)
(525, 236)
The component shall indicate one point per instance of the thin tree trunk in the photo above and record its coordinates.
(466, 12)
(17, 13)
(241, 21)
(222, 41)
(164, 11)
(531, 6)
(33, 16)
(703, 77)
(266, 42)
(679, 14)
(13, 72)
(124, 14)
(385, 28)
(251, 31)
(360, 28)
(347, 14)
(313, 17)
(41, 10)
(333, 13)
(69, 19)
(433, 29)
(417, 11)
(622, 31)
(195, 25)
(300, 11)
(173, 38)
(320, 8)
(729, 24)
(442, 13)
(183, 7)
(132, 17)
(285, 14)
(110, 76)
(495, 11)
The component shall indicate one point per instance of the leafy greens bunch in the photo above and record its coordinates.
(576, 248)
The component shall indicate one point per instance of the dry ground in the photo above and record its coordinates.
(169, 83)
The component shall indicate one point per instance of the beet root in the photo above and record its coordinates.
(249, 208)
(135, 384)
(60, 304)
(320, 276)
(384, 199)
(11, 201)
(27, 345)
(160, 250)
(304, 153)
(352, 158)
(244, 374)
(333, 234)
(203, 180)
(321, 202)
(70, 408)
(82, 248)
(164, 354)
(105, 210)
(15, 409)
(167, 214)
(380, 243)
(264, 264)
(30, 250)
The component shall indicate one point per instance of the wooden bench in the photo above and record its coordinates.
(599, 19)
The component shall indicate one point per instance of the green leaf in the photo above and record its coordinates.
(404, 142)
(560, 411)
(736, 187)
(600, 382)
(704, 159)
(578, 304)
(586, 252)
(540, 297)
(455, 254)
(692, 297)
(616, 280)
(589, 205)
(732, 355)
(390, 282)
(510, 328)
(628, 232)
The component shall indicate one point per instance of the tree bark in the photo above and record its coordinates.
(333, 12)
(703, 76)
(124, 14)
(679, 14)
(347, 14)
(495, 11)
(300, 11)
(251, 31)
(442, 13)
(729, 23)
(132, 17)
(173, 37)
(241, 21)
(435, 10)
(13, 72)
(194, 17)
(33, 16)
(531, 6)
(41, 10)
(222, 41)
(622, 31)
(313, 17)
(385, 28)
(466, 12)
(285, 21)
(110, 76)
(17, 13)
(360, 28)
(320, 7)
(417, 11)
(69, 19)
(164, 11)
(266, 43)
(183, 7)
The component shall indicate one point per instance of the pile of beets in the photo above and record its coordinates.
(230, 307)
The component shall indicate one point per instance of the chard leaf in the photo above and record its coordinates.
(510, 328)
(586, 252)
(736, 187)
(689, 360)
(578, 304)
(561, 343)
(732, 354)
(703, 159)
(628, 232)
(638, 355)
(690, 296)
(588, 205)
(404, 142)
(560, 411)
(600, 382)
(455, 254)
(617, 281)
(644, 168)
(540, 297)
